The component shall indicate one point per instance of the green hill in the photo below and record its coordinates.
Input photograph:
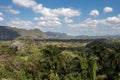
(11, 33)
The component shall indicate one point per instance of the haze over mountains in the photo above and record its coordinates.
(8, 33)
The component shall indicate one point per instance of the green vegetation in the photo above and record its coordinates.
(26, 59)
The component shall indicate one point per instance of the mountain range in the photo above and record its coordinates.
(9, 33)
(58, 35)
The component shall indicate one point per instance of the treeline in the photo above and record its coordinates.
(23, 59)
(69, 40)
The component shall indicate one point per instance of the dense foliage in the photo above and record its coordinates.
(25, 59)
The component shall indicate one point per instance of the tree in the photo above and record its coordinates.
(93, 67)
(54, 60)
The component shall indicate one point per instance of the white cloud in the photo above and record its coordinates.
(48, 21)
(25, 3)
(1, 19)
(9, 10)
(21, 24)
(85, 24)
(26, 24)
(12, 11)
(39, 8)
(1, 14)
(113, 19)
(36, 18)
(49, 24)
(67, 20)
(44, 11)
(48, 15)
(108, 9)
(110, 25)
(54, 14)
(94, 13)
(67, 12)
(46, 18)
(110, 21)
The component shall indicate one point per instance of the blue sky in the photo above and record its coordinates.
(74, 17)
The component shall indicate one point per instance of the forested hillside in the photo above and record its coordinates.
(7, 33)
(26, 59)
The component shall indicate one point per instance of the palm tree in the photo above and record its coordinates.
(93, 67)
(54, 59)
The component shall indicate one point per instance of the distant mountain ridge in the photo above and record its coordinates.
(59, 35)
(12, 33)
(9, 33)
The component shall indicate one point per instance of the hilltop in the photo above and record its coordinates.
(8, 33)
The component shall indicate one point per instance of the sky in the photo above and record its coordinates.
(74, 17)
